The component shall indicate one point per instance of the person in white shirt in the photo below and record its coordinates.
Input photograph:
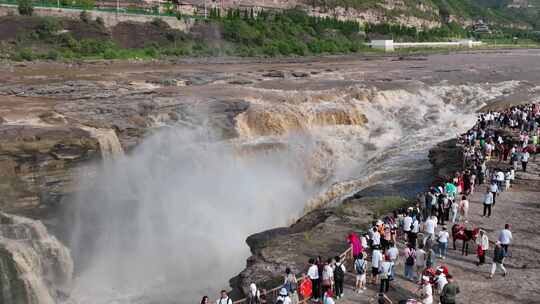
(407, 222)
(443, 242)
(415, 229)
(313, 275)
(385, 269)
(488, 202)
(284, 296)
(429, 227)
(464, 208)
(454, 207)
(500, 180)
(482, 242)
(427, 291)
(254, 295)
(505, 237)
(224, 299)
(524, 160)
(440, 280)
(328, 275)
(376, 259)
(376, 237)
(494, 189)
(393, 254)
(420, 261)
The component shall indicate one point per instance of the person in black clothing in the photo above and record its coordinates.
(339, 277)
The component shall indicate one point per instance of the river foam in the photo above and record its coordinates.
(167, 223)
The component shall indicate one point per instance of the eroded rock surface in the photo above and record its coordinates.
(35, 268)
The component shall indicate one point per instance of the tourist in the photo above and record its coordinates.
(410, 260)
(375, 238)
(364, 242)
(284, 297)
(429, 227)
(464, 208)
(440, 280)
(524, 160)
(327, 298)
(291, 284)
(385, 269)
(413, 234)
(205, 300)
(505, 238)
(254, 295)
(327, 275)
(339, 277)
(449, 292)
(393, 254)
(494, 189)
(427, 291)
(313, 275)
(488, 202)
(443, 242)
(454, 208)
(498, 260)
(376, 259)
(407, 225)
(499, 177)
(420, 264)
(224, 298)
(482, 243)
(360, 266)
(305, 287)
(355, 243)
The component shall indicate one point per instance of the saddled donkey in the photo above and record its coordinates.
(460, 232)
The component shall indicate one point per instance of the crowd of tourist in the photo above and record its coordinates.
(422, 228)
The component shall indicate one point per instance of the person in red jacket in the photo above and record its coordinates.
(305, 287)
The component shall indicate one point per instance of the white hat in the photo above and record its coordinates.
(283, 292)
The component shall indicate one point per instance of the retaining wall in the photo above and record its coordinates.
(110, 19)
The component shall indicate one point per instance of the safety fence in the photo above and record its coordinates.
(271, 295)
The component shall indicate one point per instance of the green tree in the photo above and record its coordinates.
(25, 7)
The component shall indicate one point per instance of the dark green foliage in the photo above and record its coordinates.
(85, 17)
(25, 7)
(24, 55)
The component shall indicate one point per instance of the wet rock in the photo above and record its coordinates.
(35, 267)
(300, 74)
(320, 232)
(274, 74)
(38, 165)
(240, 82)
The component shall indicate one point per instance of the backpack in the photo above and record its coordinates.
(410, 259)
(339, 274)
(359, 265)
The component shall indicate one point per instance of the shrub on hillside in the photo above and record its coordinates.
(24, 55)
(85, 17)
(48, 27)
(25, 7)
(100, 21)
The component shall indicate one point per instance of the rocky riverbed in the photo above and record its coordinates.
(326, 127)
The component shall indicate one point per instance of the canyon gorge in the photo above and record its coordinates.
(151, 175)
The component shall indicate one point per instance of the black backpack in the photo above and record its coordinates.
(339, 274)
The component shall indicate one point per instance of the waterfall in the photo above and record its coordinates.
(35, 268)
(109, 143)
(175, 213)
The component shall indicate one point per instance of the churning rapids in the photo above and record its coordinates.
(167, 223)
